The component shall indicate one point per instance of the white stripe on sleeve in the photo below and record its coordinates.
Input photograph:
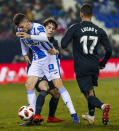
(42, 37)
(23, 48)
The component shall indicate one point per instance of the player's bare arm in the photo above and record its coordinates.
(53, 51)
(26, 58)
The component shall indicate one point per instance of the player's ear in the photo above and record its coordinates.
(81, 14)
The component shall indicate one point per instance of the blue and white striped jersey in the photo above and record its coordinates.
(39, 42)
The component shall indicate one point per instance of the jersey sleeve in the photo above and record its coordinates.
(55, 44)
(68, 37)
(106, 43)
(23, 47)
(40, 35)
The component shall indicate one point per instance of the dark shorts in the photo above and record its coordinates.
(50, 83)
(87, 83)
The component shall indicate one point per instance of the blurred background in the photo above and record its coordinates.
(106, 15)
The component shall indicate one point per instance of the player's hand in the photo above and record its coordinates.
(57, 52)
(26, 58)
(53, 51)
(102, 67)
(23, 35)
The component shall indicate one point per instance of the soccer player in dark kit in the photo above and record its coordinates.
(86, 38)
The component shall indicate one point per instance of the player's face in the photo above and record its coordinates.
(50, 29)
(24, 26)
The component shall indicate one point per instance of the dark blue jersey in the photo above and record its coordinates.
(86, 38)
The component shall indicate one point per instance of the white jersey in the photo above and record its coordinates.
(43, 63)
(39, 42)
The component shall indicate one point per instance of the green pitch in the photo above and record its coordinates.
(12, 96)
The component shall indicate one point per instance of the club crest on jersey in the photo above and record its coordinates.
(51, 68)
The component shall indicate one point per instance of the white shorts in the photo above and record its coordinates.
(54, 67)
(40, 68)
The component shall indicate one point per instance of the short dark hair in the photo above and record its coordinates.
(18, 18)
(87, 10)
(50, 20)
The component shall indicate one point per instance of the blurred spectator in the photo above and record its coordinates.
(62, 24)
(37, 15)
(115, 47)
(29, 14)
(111, 7)
(46, 12)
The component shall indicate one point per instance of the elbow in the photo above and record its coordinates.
(63, 45)
(109, 52)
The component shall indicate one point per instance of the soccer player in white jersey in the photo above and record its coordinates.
(33, 35)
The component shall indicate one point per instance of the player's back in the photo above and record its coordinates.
(86, 39)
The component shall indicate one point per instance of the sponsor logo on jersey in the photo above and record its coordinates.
(31, 42)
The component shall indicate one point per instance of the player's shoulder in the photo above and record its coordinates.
(101, 30)
(39, 27)
(74, 25)
(53, 40)
(95, 26)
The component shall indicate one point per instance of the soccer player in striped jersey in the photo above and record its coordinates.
(50, 25)
(33, 35)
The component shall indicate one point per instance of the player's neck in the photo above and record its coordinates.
(86, 19)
